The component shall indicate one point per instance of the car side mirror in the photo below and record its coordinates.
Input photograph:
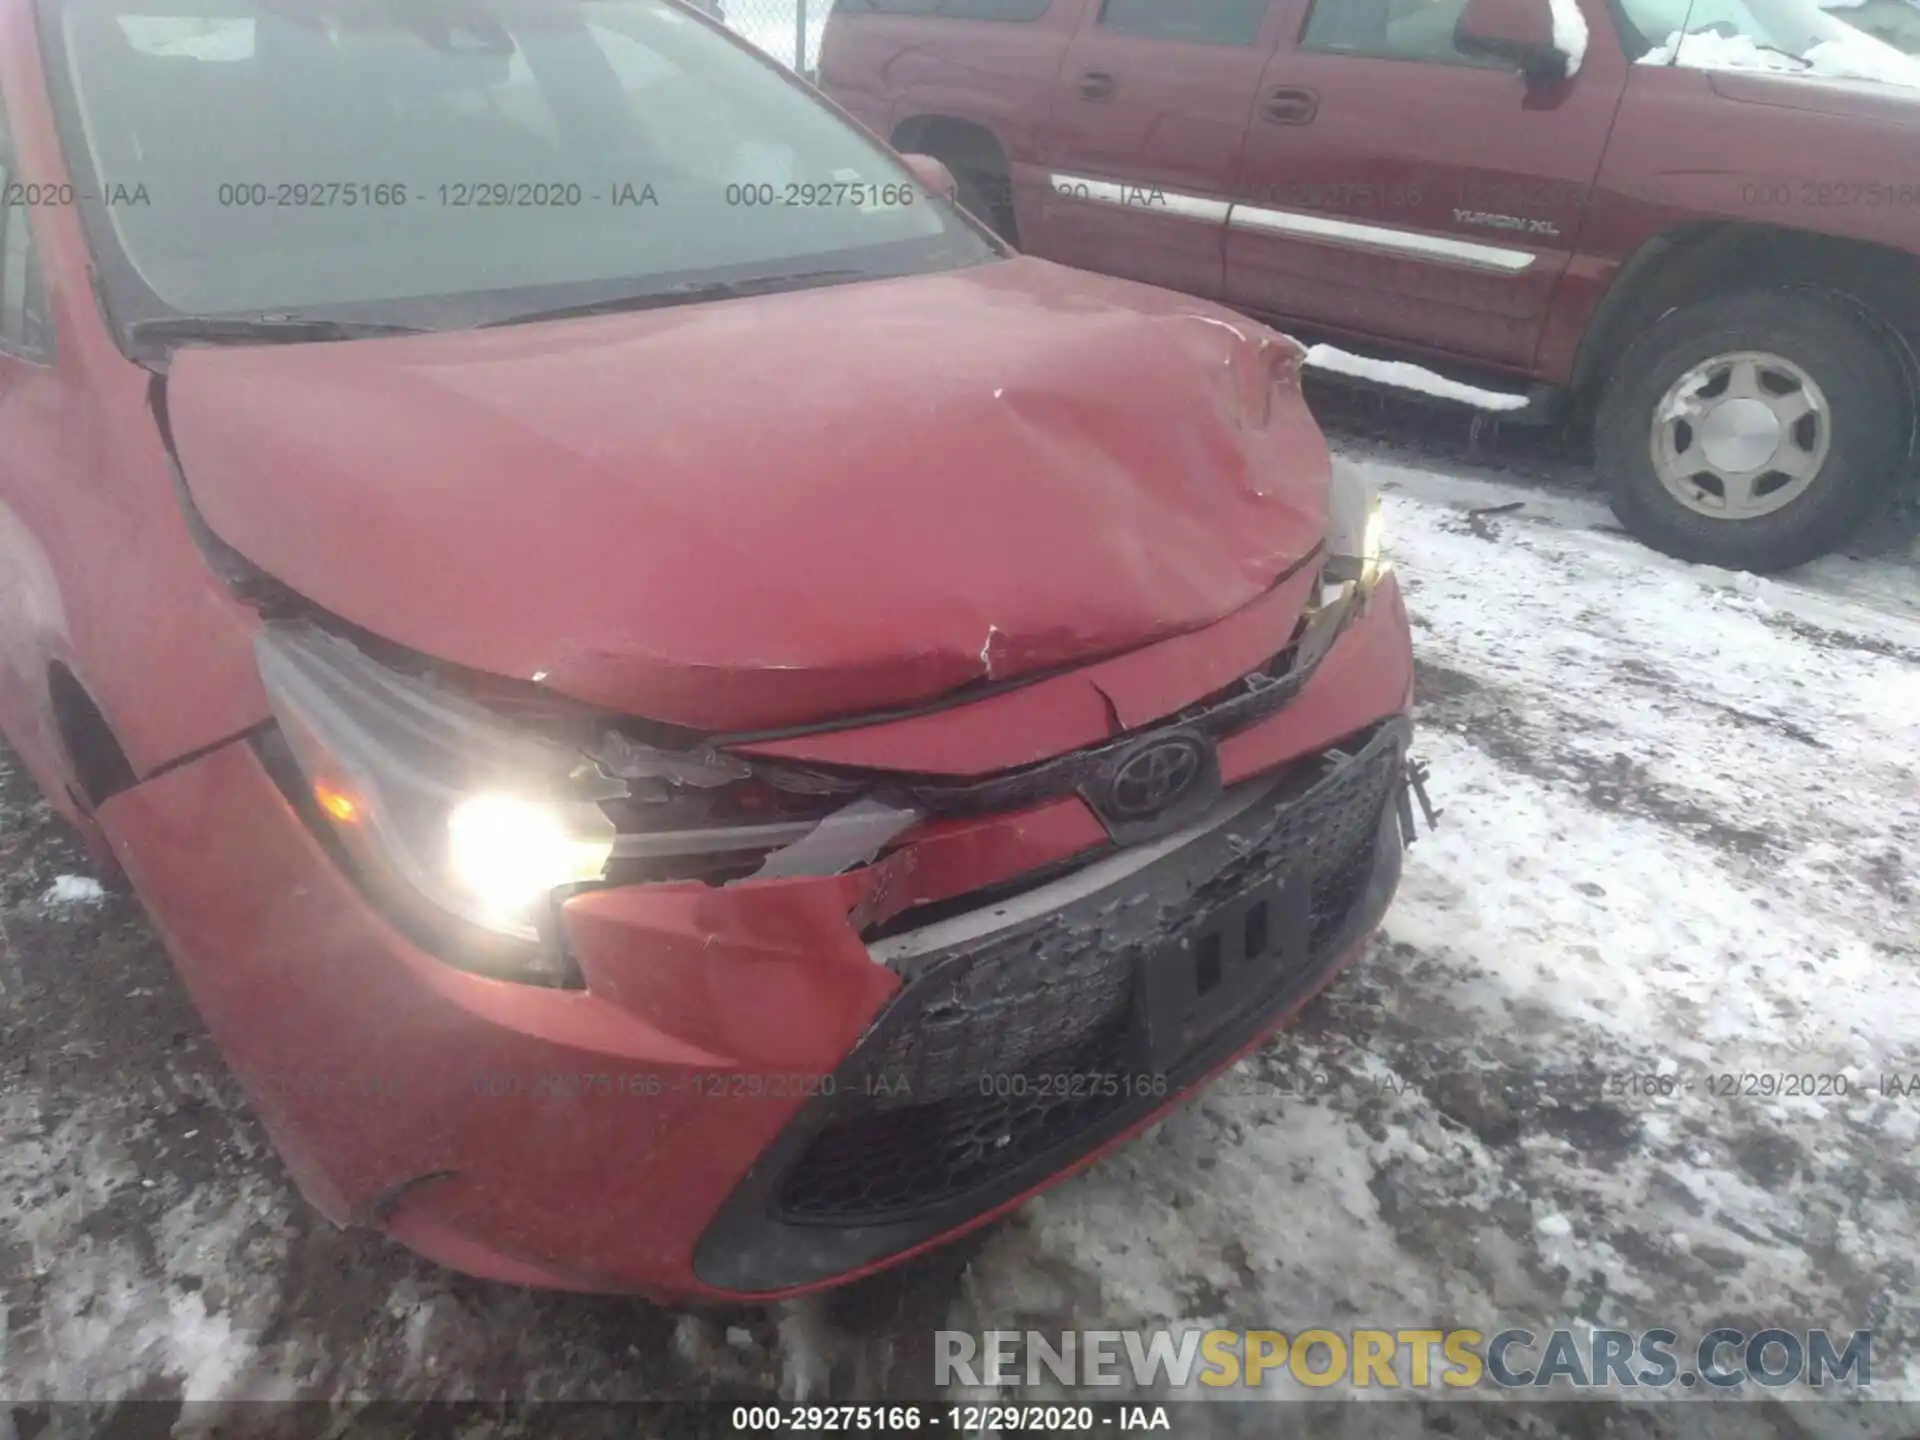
(933, 175)
(1519, 32)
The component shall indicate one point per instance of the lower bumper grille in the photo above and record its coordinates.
(910, 1157)
(1027, 1040)
(1064, 1016)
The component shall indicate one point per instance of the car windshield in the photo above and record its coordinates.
(1897, 22)
(444, 162)
(1788, 37)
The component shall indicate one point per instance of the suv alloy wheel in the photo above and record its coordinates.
(1753, 431)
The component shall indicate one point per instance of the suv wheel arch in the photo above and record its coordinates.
(977, 159)
(1700, 262)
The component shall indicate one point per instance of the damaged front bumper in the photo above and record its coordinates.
(773, 1082)
(1029, 1032)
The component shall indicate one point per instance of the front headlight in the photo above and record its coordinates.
(463, 823)
(1355, 530)
(467, 827)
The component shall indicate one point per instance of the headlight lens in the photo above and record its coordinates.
(468, 824)
(509, 852)
(1355, 531)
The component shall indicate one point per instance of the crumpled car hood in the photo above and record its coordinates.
(776, 510)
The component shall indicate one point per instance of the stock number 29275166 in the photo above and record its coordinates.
(820, 194)
(791, 1419)
(1866, 195)
(310, 195)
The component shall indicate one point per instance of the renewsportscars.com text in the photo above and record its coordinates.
(1511, 1359)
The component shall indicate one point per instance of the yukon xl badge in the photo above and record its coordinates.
(1505, 222)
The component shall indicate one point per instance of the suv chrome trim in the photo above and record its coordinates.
(1413, 244)
(1381, 239)
(1139, 197)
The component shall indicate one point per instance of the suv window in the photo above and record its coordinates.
(1419, 30)
(24, 325)
(1790, 36)
(1201, 22)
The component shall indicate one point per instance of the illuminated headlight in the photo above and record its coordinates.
(464, 823)
(1355, 531)
(510, 852)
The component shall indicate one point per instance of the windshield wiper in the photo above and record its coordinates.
(1802, 61)
(258, 329)
(692, 293)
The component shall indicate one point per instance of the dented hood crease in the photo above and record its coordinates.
(775, 510)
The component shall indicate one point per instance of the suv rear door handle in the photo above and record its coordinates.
(1291, 107)
(1097, 85)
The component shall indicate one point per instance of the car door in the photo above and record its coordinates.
(1394, 187)
(1143, 137)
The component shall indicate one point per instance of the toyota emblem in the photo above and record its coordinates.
(1155, 777)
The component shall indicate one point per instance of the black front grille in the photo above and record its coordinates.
(1002, 1050)
(909, 1158)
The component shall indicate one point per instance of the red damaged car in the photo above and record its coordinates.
(692, 723)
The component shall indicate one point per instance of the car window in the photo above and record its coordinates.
(25, 327)
(950, 9)
(445, 168)
(1203, 22)
(201, 37)
(516, 99)
(993, 9)
(1418, 30)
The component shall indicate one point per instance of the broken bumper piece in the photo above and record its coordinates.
(1031, 1031)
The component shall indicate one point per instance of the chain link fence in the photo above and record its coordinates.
(783, 28)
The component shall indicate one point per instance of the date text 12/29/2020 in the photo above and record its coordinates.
(948, 1419)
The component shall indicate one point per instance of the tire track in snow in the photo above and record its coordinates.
(1710, 708)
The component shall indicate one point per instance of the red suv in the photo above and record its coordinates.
(1706, 245)
(692, 724)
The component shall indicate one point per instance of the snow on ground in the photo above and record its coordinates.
(1681, 810)
(1678, 844)
(74, 890)
(1401, 375)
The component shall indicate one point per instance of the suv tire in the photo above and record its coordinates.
(1783, 408)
